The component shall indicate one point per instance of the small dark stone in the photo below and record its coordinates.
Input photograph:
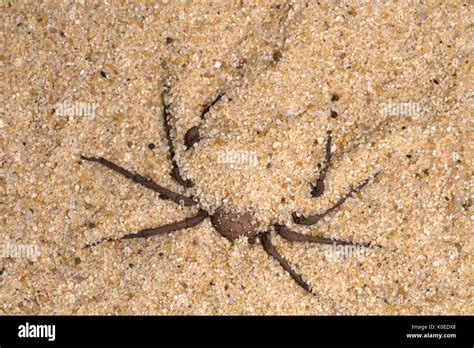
(277, 55)
(169, 40)
(404, 127)
(426, 171)
(103, 74)
(131, 265)
(408, 156)
(241, 63)
(334, 97)
(436, 81)
(91, 225)
(467, 204)
(333, 114)
(151, 146)
(160, 254)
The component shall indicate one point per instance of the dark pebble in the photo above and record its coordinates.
(277, 55)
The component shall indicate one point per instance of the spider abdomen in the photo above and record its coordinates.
(232, 225)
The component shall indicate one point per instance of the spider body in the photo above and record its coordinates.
(229, 224)
(233, 226)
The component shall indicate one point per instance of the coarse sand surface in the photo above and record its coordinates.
(392, 81)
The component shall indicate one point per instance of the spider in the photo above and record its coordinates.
(230, 224)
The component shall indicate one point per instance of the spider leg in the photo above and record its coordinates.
(313, 219)
(292, 236)
(318, 188)
(149, 232)
(175, 173)
(271, 250)
(192, 135)
(208, 107)
(183, 224)
(164, 192)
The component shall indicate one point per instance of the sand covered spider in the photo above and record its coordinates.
(229, 224)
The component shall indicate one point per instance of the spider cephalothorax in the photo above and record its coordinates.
(230, 224)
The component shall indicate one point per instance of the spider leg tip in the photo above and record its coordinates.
(86, 158)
